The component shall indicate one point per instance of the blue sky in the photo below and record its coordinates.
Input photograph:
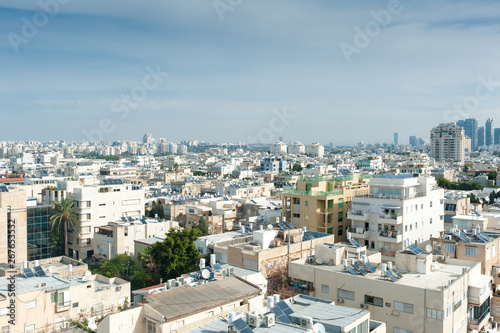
(225, 78)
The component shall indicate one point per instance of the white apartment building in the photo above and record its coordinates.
(100, 204)
(278, 148)
(315, 150)
(399, 211)
(448, 143)
(297, 148)
(427, 296)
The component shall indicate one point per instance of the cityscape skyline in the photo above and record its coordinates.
(225, 73)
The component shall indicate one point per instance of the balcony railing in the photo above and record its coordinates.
(390, 234)
(481, 318)
(314, 193)
(359, 230)
(326, 178)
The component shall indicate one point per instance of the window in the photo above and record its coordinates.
(400, 330)
(434, 314)
(416, 225)
(4, 311)
(449, 248)
(325, 289)
(341, 217)
(346, 294)
(431, 220)
(488, 253)
(470, 251)
(307, 203)
(151, 327)
(341, 203)
(53, 297)
(75, 305)
(340, 230)
(63, 297)
(431, 203)
(5, 329)
(457, 305)
(377, 301)
(31, 304)
(29, 328)
(406, 228)
(403, 307)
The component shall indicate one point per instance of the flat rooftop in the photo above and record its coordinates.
(431, 280)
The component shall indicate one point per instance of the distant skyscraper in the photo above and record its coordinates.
(148, 138)
(448, 143)
(413, 141)
(480, 136)
(281, 138)
(470, 126)
(396, 139)
(461, 123)
(489, 132)
(497, 136)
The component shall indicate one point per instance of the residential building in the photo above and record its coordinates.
(471, 126)
(119, 237)
(455, 204)
(13, 225)
(278, 148)
(370, 163)
(48, 302)
(316, 150)
(488, 137)
(99, 205)
(38, 231)
(147, 139)
(297, 148)
(448, 143)
(413, 141)
(412, 294)
(273, 164)
(321, 203)
(186, 307)
(400, 210)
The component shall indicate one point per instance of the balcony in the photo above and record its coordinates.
(390, 236)
(358, 215)
(390, 219)
(481, 322)
(359, 232)
(63, 306)
(295, 208)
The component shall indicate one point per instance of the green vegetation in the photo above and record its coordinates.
(156, 208)
(202, 226)
(199, 173)
(297, 167)
(492, 175)
(474, 199)
(177, 254)
(64, 216)
(107, 158)
(465, 186)
(494, 195)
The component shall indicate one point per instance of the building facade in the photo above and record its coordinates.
(448, 143)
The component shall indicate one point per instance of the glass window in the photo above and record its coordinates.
(340, 230)
(5, 329)
(325, 289)
(403, 307)
(151, 327)
(434, 314)
(470, 251)
(341, 216)
(346, 294)
(449, 248)
(31, 304)
(341, 203)
(377, 301)
(400, 330)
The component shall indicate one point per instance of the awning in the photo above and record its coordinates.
(361, 203)
(391, 206)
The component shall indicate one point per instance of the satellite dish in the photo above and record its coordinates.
(205, 273)
(88, 274)
(428, 248)
(319, 328)
(319, 262)
(436, 265)
(270, 227)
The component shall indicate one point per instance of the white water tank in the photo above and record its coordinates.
(213, 260)
(276, 298)
(250, 226)
(36, 263)
(261, 227)
(384, 267)
(25, 264)
(270, 302)
(389, 265)
(232, 316)
(202, 263)
(243, 230)
(345, 262)
(277, 219)
(304, 229)
(353, 261)
(363, 258)
(70, 268)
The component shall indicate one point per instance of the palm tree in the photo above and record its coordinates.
(63, 216)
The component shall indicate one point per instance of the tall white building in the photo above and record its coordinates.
(100, 204)
(448, 143)
(399, 211)
(278, 148)
(315, 150)
(297, 148)
(147, 139)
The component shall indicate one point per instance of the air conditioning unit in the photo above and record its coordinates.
(269, 320)
(340, 300)
(364, 306)
(306, 322)
(253, 321)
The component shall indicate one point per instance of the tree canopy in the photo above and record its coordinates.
(156, 208)
(64, 216)
(177, 254)
(465, 186)
(202, 226)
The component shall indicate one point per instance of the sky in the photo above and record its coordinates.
(338, 71)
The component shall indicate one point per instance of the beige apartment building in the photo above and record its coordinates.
(119, 238)
(99, 205)
(50, 302)
(428, 296)
(321, 203)
(184, 308)
(448, 143)
(13, 207)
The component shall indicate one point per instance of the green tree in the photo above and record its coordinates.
(493, 196)
(156, 209)
(297, 167)
(64, 216)
(124, 267)
(492, 175)
(177, 254)
(474, 199)
(202, 226)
